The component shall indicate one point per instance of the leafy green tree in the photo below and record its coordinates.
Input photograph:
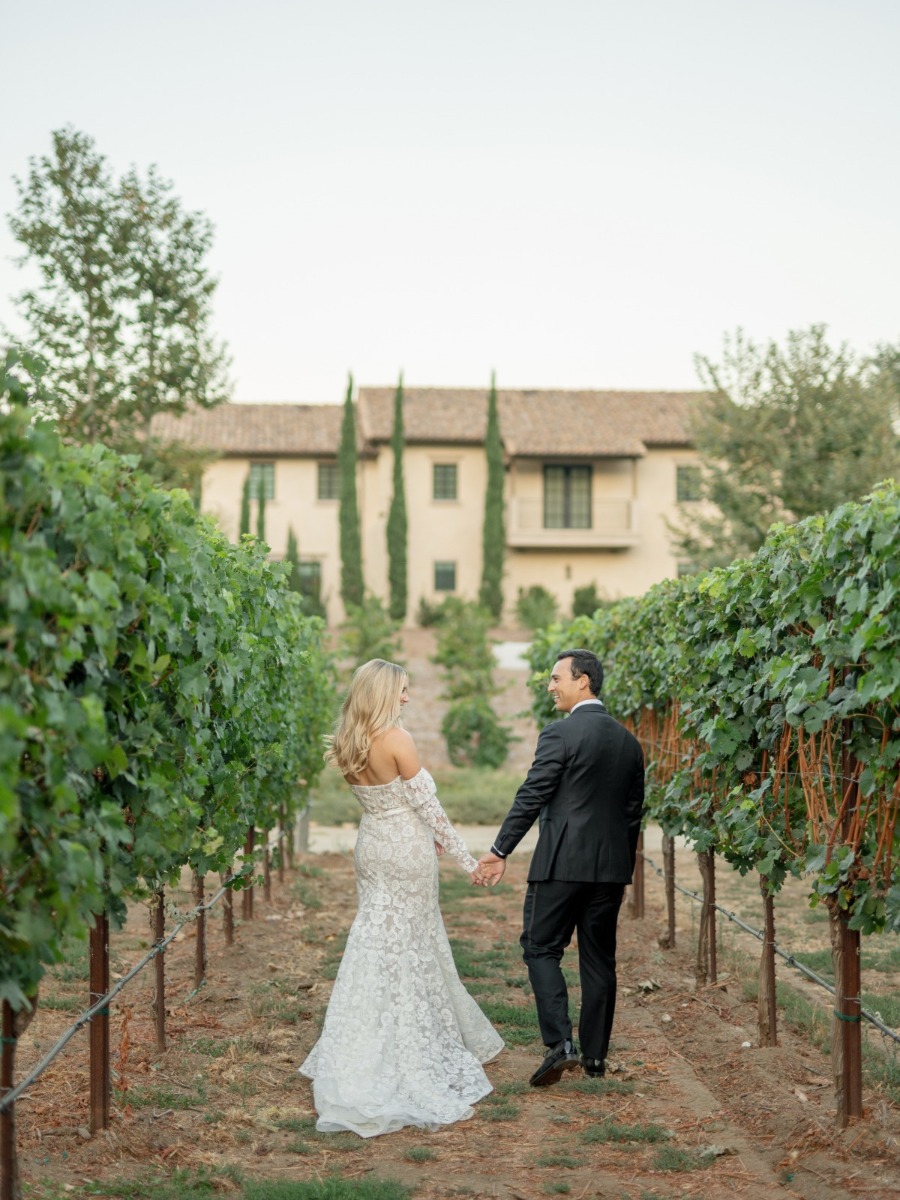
(172, 359)
(886, 362)
(348, 514)
(68, 225)
(397, 522)
(171, 464)
(494, 534)
(785, 432)
(120, 313)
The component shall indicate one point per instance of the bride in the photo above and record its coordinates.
(403, 1041)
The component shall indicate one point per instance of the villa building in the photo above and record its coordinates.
(591, 480)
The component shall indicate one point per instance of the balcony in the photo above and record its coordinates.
(614, 526)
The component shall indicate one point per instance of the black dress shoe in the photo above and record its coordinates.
(595, 1067)
(561, 1058)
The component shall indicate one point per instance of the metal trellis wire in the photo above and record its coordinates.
(9, 1099)
(759, 934)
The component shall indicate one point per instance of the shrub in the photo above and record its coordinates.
(463, 643)
(369, 632)
(474, 734)
(471, 728)
(586, 600)
(536, 608)
(436, 614)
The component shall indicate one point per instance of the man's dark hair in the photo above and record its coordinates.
(585, 662)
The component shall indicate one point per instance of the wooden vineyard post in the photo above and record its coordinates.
(200, 949)
(768, 1010)
(267, 869)
(706, 944)
(228, 910)
(668, 851)
(159, 966)
(637, 881)
(301, 833)
(301, 829)
(287, 849)
(99, 1028)
(9, 1167)
(712, 924)
(282, 844)
(846, 1034)
(247, 894)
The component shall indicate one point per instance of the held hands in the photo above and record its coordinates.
(489, 870)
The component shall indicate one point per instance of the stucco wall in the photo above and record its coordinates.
(439, 530)
(451, 530)
(295, 505)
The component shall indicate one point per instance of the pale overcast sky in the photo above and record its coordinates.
(576, 193)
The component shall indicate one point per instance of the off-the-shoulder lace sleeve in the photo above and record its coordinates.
(421, 794)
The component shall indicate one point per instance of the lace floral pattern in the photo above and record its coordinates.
(403, 1041)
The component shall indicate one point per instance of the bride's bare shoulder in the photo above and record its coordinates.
(398, 745)
(394, 738)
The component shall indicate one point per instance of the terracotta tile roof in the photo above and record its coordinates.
(614, 424)
(536, 423)
(457, 415)
(242, 429)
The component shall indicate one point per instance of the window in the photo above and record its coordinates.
(262, 481)
(444, 481)
(329, 481)
(309, 576)
(567, 497)
(445, 576)
(687, 484)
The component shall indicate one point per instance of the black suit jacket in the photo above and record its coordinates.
(586, 785)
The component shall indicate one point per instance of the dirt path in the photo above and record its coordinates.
(226, 1097)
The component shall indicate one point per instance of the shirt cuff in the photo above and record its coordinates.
(498, 853)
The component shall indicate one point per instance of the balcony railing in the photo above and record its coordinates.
(614, 524)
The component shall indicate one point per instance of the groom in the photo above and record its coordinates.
(586, 787)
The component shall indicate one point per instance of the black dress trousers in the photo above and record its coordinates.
(554, 909)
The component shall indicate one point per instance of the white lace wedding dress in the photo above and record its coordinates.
(403, 1041)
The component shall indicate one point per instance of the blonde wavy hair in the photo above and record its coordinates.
(371, 707)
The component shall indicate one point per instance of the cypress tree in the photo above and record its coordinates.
(245, 507)
(261, 513)
(348, 513)
(494, 532)
(397, 523)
